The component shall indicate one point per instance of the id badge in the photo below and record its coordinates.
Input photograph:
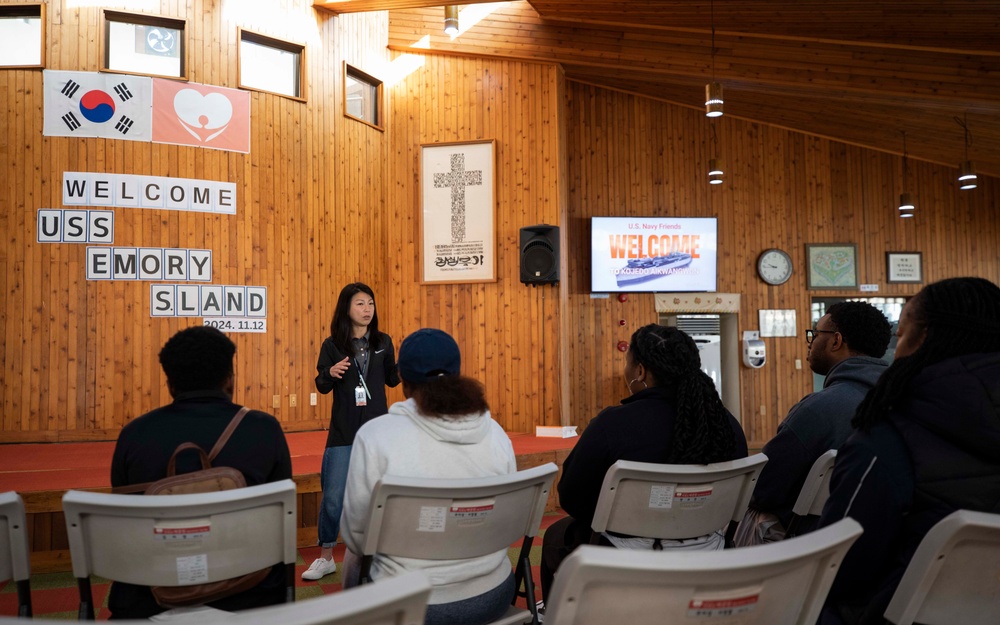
(359, 396)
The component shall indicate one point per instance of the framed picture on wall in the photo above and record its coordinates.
(904, 267)
(831, 266)
(458, 212)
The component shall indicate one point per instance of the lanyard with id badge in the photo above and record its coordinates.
(361, 393)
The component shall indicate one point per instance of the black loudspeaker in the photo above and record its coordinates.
(540, 254)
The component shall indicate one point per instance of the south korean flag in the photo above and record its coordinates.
(89, 104)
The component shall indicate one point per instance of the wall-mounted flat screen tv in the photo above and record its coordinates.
(653, 254)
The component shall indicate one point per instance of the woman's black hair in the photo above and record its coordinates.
(960, 315)
(702, 433)
(341, 329)
(447, 396)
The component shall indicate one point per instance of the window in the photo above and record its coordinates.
(144, 44)
(362, 97)
(272, 65)
(22, 35)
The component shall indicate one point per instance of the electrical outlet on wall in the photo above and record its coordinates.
(276, 401)
(312, 399)
(293, 400)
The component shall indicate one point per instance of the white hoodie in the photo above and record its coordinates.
(405, 444)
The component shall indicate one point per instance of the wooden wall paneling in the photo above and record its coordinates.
(782, 190)
(475, 99)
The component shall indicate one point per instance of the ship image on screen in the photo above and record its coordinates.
(653, 254)
(646, 269)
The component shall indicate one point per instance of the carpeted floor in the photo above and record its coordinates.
(54, 595)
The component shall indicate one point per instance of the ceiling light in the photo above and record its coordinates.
(713, 90)
(966, 170)
(451, 19)
(713, 99)
(715, 171)
(906, 206)
(967, 175)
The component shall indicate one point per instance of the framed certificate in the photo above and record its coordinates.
(904, 267)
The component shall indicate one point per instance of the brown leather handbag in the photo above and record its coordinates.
(208, 479)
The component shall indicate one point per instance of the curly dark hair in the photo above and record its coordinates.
(961, 316)
(340, 326)
(702, 433)
(197, 359)
(864, 327)
(448, 395)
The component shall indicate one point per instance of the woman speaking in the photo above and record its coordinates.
(356, 362)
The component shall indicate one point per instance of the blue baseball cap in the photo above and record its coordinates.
(428, 353)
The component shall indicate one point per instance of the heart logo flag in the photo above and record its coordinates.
(204, 116)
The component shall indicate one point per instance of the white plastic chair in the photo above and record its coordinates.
(782, 583)
(954, 576)
(180, 540)
(15, 562)
(815, 491)
(674, 501)
(501, 510)
(399, 600)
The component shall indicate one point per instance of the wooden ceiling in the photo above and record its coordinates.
(857, 71)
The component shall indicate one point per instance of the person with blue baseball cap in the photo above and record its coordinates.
(442, 430)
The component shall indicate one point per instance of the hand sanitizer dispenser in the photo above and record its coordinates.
(754, 352)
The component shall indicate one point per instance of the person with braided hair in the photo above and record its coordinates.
(926, 442)
(673, 415)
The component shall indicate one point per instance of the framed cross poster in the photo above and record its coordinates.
(458, 212)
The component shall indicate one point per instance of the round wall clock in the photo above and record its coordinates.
(774, 266)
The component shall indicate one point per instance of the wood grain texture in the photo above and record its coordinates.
(325, 200)
(630, 155)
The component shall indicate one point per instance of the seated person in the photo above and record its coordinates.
(846, 346)
(198, 362)
(442, 430)
(926, 445)
(673, 416)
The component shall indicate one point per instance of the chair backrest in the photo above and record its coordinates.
(15, 553)
(675, 500)
(783, 583)
(816, 489)
(954, 576)
(452, 519)
(14, 549)
(179, 540)
(398, 600)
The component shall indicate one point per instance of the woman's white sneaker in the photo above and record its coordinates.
(320, 568)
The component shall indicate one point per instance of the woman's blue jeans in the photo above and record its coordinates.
(333, 480)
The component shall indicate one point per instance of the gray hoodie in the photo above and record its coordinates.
(406, 444)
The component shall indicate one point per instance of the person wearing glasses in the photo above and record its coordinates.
(846, 346)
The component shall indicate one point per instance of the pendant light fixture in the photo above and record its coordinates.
(716, 166)
(905, 200)
(451, 19)
(966, 170)
(713, 90)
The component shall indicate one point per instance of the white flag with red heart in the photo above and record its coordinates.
(186, 113)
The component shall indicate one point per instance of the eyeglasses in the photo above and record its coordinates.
(811, 334)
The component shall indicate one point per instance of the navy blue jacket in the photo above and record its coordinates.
(937, 452)
(346, 417)
(819, 422)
